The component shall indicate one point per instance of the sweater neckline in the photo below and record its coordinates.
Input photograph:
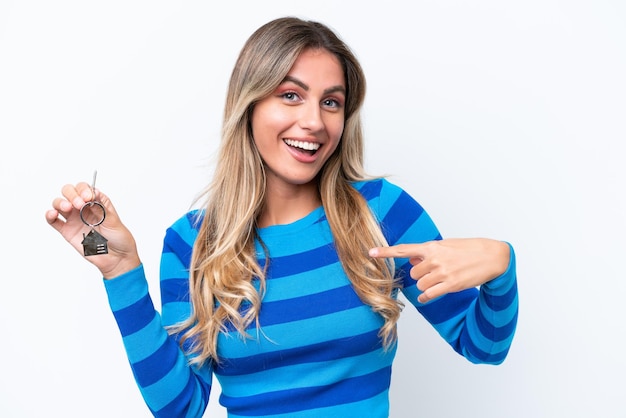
(298, 225)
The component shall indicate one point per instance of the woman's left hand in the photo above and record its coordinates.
(450, 265)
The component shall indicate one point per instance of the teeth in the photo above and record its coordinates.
(309, 146)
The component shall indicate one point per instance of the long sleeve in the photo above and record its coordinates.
(477, 323)
(169, 386)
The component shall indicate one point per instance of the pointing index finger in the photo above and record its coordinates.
(396, 251)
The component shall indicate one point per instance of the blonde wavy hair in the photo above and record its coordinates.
(223, 263)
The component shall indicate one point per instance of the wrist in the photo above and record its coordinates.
(504, 257)
(123, 266)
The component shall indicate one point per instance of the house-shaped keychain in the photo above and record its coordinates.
(94, 243)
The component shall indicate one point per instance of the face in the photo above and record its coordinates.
(298, 127)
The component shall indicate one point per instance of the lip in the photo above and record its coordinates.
(303, 157)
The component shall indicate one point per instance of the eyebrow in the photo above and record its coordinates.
(329, 90)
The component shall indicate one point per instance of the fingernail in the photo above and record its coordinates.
(373, 252)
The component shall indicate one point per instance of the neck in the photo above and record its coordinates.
(284, 205)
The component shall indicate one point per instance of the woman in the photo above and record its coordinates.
(285, 285)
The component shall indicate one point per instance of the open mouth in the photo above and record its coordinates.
(303, 146)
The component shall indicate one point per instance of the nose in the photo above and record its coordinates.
(311, 117)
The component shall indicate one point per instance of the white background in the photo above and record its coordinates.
(504, 119)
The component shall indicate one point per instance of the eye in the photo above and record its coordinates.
(332, 103)
(290, 96)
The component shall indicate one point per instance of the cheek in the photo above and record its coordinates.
(268, 123)
(256, 120)
(336, 130)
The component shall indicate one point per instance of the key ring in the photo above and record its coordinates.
(93, 242)
(90, 204)
(93, 203)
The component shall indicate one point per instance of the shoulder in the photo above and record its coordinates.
(377, 188)
(184, 230)
(381, 194)
(401, 217)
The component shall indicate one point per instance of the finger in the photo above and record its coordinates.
(432, 292)
(397, 251)
(60, 212)
(427, 281)
(112, 218)
(52, 217)
(63, 206)
(78, 194)
(419, 271)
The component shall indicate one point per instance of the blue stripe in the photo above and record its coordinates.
(179, 406)
(157, 365)
(376, 406)
(127, 288)
(329, 350)
(300, 399)
(502, 302)
(304, 261)
(422, 230)
(498, 318)
(370, 189)
(175, 312)
(338, 325)
(174, 290)
(136, 316)
(476, 355)
(489, 341)
(175, 382)
(195, 218)
(304, 375)
(404, 273)
(440, 310)
(171, 267)
(305, 283)
(152, 332)
(402, 214)
(174, 243)
(495, 334)
(304, 307)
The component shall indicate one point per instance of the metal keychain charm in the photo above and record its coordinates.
(93, 242)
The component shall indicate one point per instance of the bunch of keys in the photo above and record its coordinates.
(93, 242)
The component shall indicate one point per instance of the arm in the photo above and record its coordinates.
(479, 323)
(169, 386)
(466, 288)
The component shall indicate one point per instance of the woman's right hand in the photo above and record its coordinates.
(65, 217)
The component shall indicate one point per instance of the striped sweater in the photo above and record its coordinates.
(317, 353)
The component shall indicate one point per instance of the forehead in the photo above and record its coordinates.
(318, 65)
